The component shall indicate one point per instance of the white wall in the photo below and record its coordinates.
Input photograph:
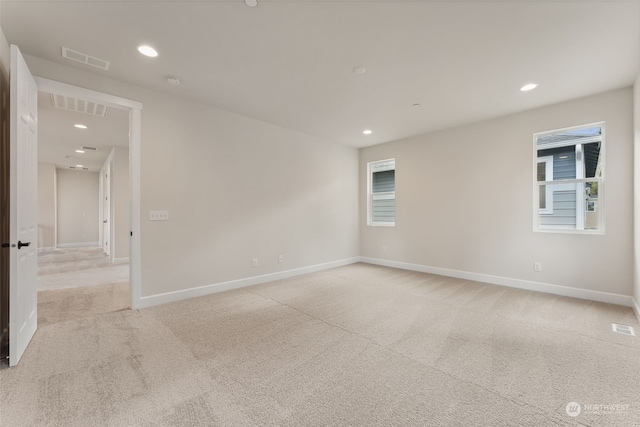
(235, 188)
(465, 198)
(636, 196)
(77, 209)
(46, 205)
(121, 198)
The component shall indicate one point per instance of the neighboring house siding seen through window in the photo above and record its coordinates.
(569, 181)
(382, 193)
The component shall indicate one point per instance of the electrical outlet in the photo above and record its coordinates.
(537, 266)
(281, 258)
(384, 249)
(254, 263)
(158, 215)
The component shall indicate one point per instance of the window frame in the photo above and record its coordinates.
(387, 194)
(548, 193)
(579, 182)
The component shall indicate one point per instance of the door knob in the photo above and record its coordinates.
(20, 244)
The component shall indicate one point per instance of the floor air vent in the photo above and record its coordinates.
(623, 329)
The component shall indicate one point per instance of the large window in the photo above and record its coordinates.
(569, 180)
(381, 192)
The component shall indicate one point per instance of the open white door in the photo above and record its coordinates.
(23, 288)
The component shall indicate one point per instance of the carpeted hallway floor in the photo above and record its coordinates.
(359, 345)
(80, 282)
(78, 267)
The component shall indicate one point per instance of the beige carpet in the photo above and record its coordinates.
(78, 267)
(59, 305)
(359, 345)
(75, 283)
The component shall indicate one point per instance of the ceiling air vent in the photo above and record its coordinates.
(85, 59)
(79, 105)
(87, 148)
(623, 329)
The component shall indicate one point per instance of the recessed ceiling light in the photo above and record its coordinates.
(79, 126)
(360, 70)
(415, 105)
(80, 151)
(367, 132)
(528, 87)
(147, 51)
(79, 166)
(251, 3)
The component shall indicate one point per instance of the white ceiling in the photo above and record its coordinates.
(58, 138)
(290, 62)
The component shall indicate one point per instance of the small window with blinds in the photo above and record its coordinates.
(382, 192)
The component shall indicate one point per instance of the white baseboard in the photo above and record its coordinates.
(153, 300)
(636, 309)
(79, 245)
(566, 291)
(121, 260)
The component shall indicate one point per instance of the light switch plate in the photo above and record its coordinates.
(158, 215)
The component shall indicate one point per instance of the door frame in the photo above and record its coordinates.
(135, 126)
(106, 208)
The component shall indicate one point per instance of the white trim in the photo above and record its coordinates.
(567, 183)
(59, 88)
(120, 260)
(100, 207)
(580, 192)
(570, 142)
(199, 291)
(566, 291)
(79, 245)
(135, 275)
(548, 192)
(569, 128)
(636, 309)
(55, 206)
(579, 181)
(379, 166)
(49, 249)
(135, 125)
(107, 168)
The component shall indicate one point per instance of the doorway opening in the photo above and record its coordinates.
(83, 208)
(88, 199)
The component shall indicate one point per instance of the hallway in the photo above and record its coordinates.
(75, 283)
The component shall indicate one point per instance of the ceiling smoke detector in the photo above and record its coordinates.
(360, 70)
(251, 3)
(173, 80)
